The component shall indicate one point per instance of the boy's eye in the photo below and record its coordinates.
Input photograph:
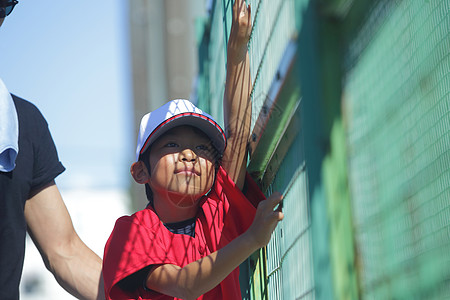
(202, 147)
(170, 145)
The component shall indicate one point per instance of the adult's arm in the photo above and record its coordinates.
(76, 268)
(200, 276)
(237, 103)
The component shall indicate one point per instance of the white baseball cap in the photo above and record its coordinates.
(175, 113)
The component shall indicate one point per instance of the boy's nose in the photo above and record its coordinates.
(188, 155)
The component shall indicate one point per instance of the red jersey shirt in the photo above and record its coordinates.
(141, 240)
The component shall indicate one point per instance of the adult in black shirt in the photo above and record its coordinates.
(30, 201)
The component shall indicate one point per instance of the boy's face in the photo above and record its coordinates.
(182, 166)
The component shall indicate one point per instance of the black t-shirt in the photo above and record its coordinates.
(37, 164)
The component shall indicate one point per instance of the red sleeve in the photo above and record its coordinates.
(131, 247)
(240, 209)
(252, 191)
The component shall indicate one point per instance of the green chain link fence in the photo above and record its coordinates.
(353, 99)
(397, 104)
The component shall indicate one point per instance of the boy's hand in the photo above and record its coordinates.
(266, 219)
(241, 27)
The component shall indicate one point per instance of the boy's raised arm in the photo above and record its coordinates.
(237, 103)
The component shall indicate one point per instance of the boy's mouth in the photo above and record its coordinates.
(187, 172)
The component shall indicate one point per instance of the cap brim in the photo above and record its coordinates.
(205, 124)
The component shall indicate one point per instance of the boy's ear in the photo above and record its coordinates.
(139, 172)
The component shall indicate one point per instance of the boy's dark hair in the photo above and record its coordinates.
(145, 158)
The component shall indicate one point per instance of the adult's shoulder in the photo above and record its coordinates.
(23, 104)
(26, 109)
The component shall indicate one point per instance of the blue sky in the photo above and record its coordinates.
(70, 58)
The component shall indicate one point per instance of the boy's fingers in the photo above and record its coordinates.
(276, 217)
(270, 203)
(280, 215)
(275, 199)
(239, 8)
(280, 206)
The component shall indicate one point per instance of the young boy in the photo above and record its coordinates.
(199, 226)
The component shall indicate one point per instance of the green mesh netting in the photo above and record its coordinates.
(397, 105)
(289, 254)
(274, 25)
